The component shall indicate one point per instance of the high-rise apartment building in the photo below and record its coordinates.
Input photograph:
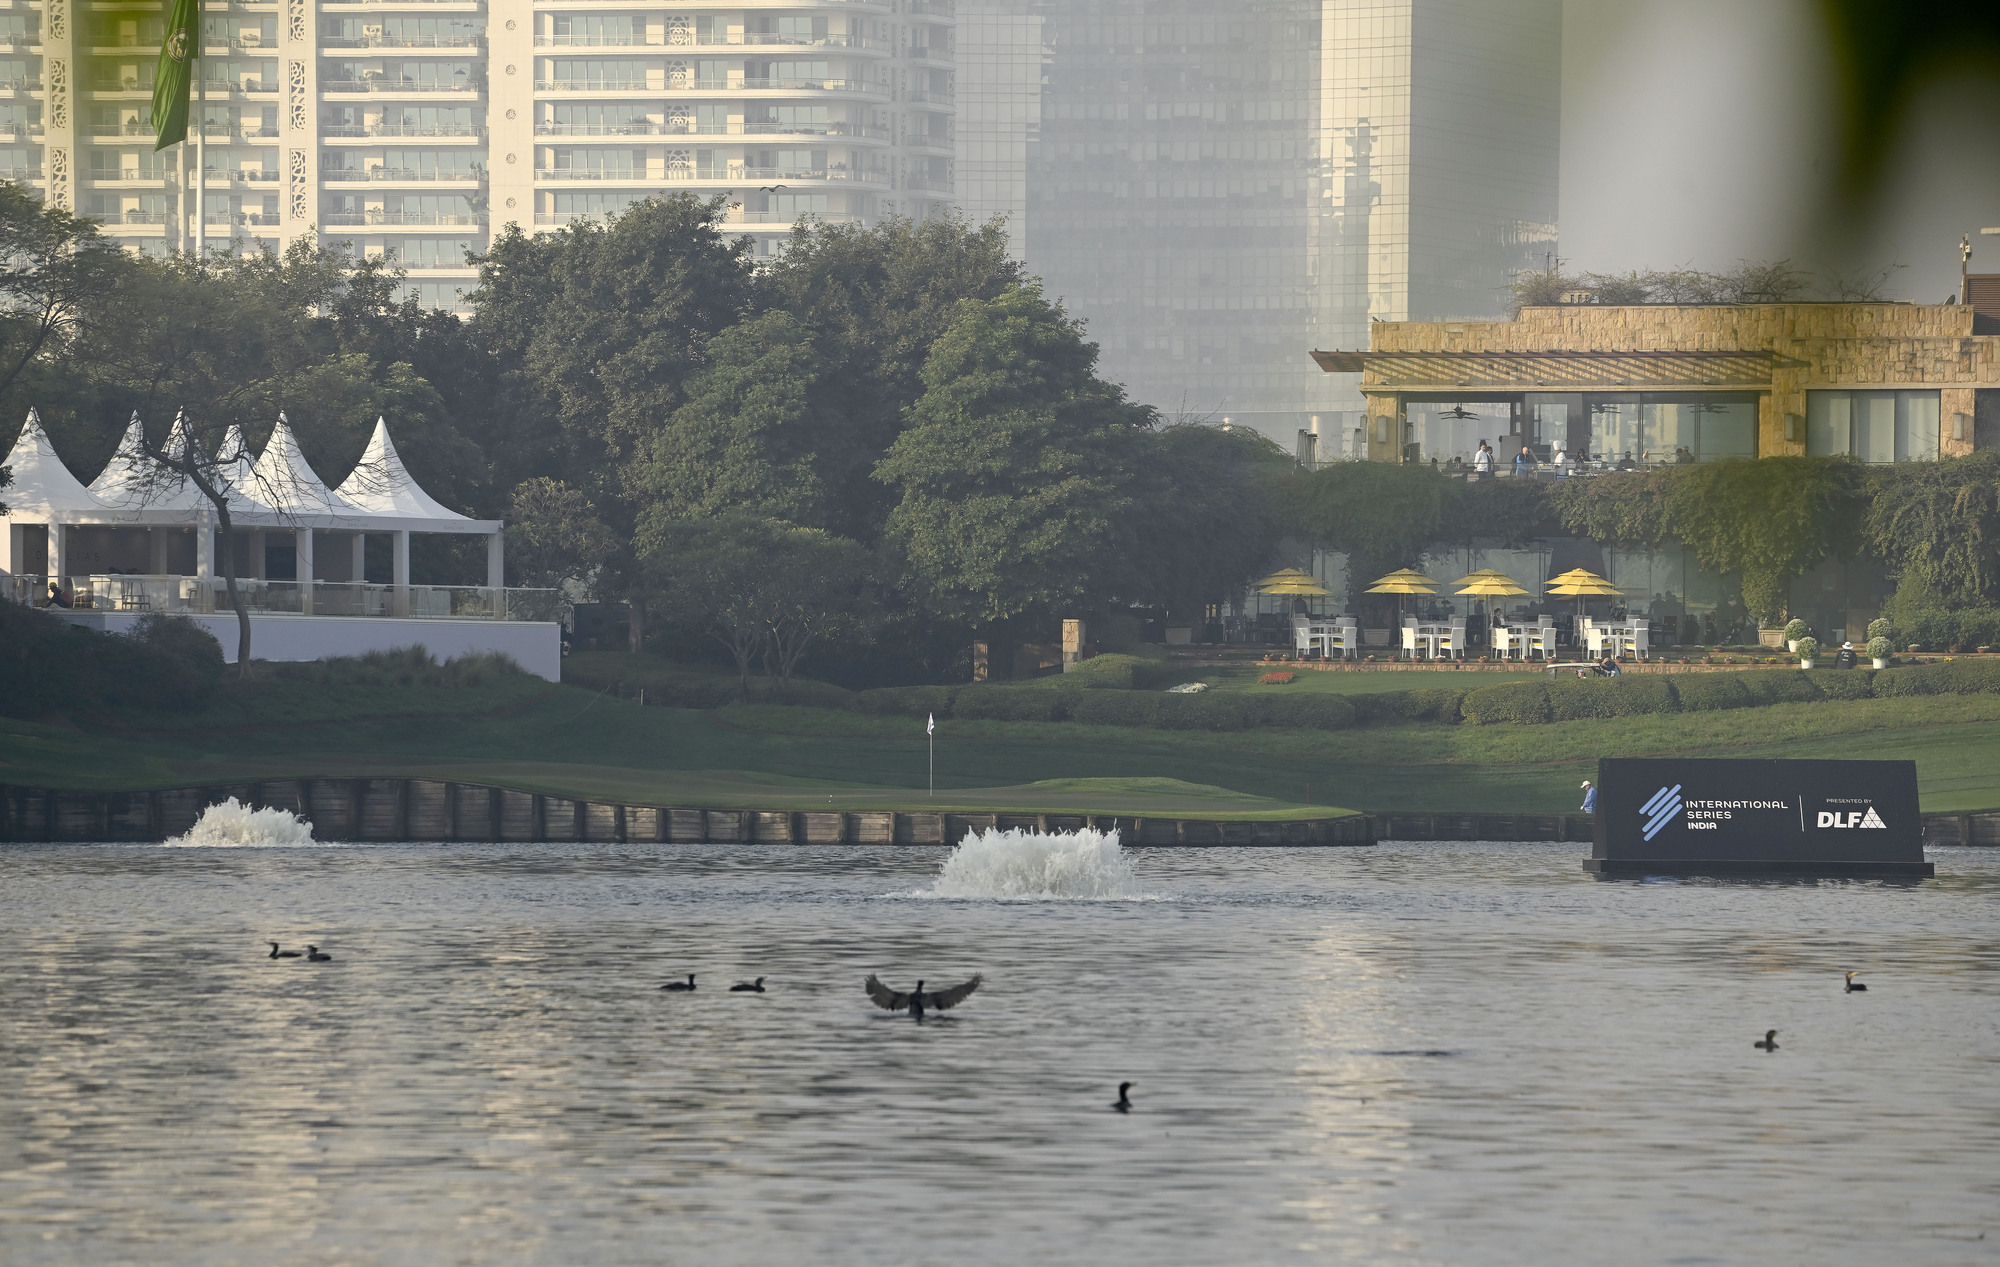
(1219, 186)
(422, 127)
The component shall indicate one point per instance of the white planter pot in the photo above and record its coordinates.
(1881, 662)
(1805, 664)
(1792, 645)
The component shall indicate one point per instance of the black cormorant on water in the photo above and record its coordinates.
(680, 985)
(313, 955)
(748, 987)
(1853, 985)
(1122, 1104)
(918, 999)
(288, 954)
(1770, 1042)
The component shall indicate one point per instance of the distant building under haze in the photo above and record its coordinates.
(1219, 186)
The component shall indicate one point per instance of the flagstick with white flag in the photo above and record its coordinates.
(930, 728)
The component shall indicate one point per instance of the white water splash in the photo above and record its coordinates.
(1018, 864)
(232, 825)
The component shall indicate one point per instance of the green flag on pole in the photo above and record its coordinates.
(170, 84)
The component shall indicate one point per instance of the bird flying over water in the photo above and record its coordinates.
(1770, 1042)
(293, 954)
(680, 985)
(748, 987)
(918, 999)
(1852, 984)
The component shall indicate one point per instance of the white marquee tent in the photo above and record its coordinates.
(277, 496)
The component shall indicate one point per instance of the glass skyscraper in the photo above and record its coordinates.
(1219, 186)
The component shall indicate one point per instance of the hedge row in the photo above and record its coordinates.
(1558, 699)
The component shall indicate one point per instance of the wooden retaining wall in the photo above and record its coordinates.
(428, 810)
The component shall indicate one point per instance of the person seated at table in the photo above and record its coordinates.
(58, 596)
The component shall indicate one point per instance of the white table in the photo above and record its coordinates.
(1619, 639)
(1526, 640)
(1435, 640)
(1326, 637)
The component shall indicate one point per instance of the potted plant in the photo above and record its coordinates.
(1878, 649)
(1807, 649)
(1795, 630)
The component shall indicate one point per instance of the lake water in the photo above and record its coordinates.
(1412, 1054)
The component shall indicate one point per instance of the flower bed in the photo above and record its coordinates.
(1275, 679)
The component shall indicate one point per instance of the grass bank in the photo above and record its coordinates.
(567, 740)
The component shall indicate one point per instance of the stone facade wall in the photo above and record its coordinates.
(1826, 346)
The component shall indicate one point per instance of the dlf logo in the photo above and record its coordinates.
(1660, 809)
(1853, 818)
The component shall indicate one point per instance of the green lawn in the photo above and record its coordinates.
(566, 740)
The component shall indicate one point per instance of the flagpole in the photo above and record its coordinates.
(200, 145)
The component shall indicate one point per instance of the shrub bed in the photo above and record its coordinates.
(1524, 703)
(1712, 692)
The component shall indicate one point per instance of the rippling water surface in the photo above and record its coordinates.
(1414, 1053)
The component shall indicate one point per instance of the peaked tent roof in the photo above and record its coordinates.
(381, 485)
(283, 481)
(132, 480)
(41, 482)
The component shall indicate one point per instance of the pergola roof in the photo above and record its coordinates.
(278, 490)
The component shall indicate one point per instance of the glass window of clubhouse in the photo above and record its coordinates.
(1597, 428)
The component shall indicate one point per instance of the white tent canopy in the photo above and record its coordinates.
(279, 490)
(381, 485)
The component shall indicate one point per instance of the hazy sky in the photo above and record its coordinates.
(1701, 132)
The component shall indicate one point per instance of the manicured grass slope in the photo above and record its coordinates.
(567, 740)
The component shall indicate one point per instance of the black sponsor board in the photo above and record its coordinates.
(1663, 817)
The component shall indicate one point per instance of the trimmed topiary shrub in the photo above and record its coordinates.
(1780, 686)
(1308, 712)
(1217, 711)
(904, 701)
(1009, 703)
(1953, 677)
(1430, 703)
(1116, 708)
(1574, 699)
(1117, 672)
(1526, 703)
(1843, 684)
(1712, 692)
(800, 691)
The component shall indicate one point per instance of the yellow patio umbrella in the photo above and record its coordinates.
(1580, 584)
(1490, 584)
(1400, 582)
(1292, 581)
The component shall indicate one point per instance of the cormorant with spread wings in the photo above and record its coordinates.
(917, 1000)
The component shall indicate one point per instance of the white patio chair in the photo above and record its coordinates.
(1410, 636)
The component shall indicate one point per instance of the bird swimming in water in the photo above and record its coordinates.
(917, 1000)
(680, 985)
(282, 954)
(1770, 1042)
(1853, 985)
(748, 987)
(313, 955)
(1122, 1104)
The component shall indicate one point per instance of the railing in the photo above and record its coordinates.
(690, 172)
(749, 38)
(20, 173)
(680, 128)
(351, 218)
(210, 595)
(240, 217)
(464, 130)
(337, 174)
(30, 84)
(394, 41)
(470, 84)
(687, 84)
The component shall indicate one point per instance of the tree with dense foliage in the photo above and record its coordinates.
(1767, 520)
(52, 266)
(1382, 516)
(1015, 479)
(754, 434)
(1938, 523)
(1209, 513)
(554, 536)
(755, 585)
(596, 330)
(873, 301)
